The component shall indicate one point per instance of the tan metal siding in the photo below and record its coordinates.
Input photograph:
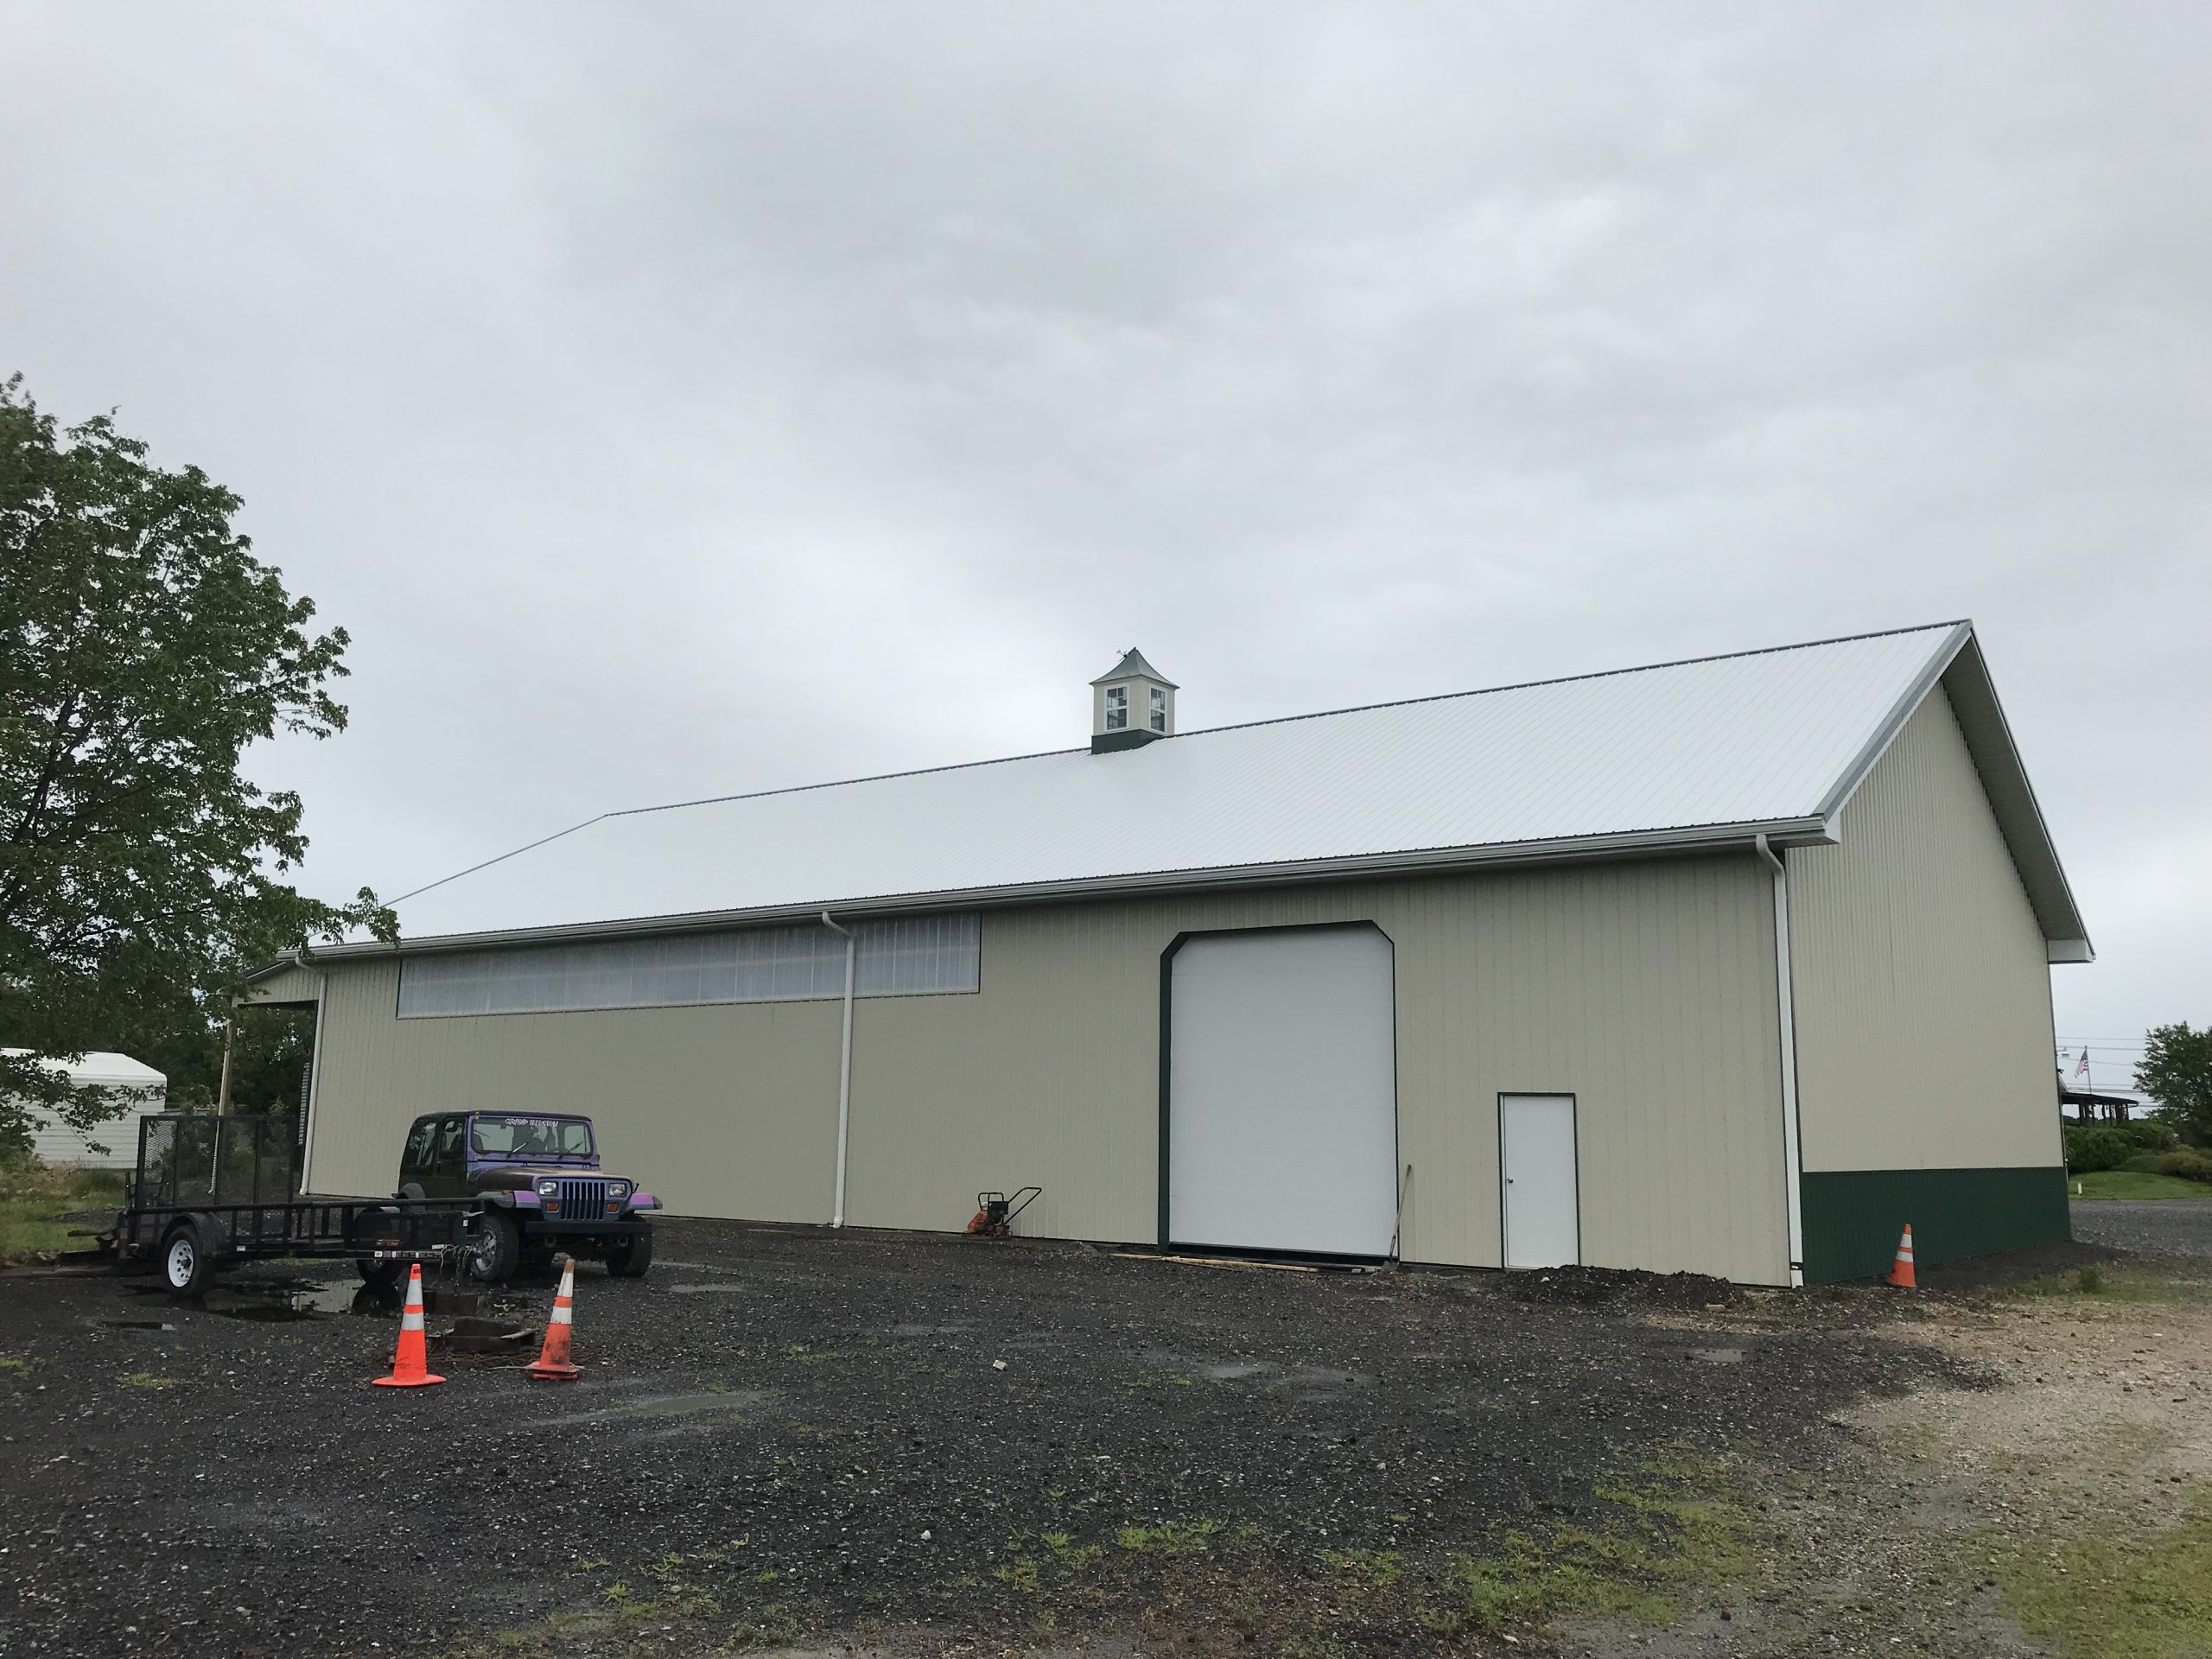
(292, 987)
(1645, 989)
(1923, 998)
(719, 1111)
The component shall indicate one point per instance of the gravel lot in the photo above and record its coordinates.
(2155, 1226)
(824, 1433)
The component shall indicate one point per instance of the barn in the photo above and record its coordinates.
(1734, 965)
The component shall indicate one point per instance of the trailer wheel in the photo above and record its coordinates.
(629, 1256)
(383, 1277)
(498, 1248)
(184, 1261)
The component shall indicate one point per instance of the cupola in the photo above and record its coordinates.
(1131, 706)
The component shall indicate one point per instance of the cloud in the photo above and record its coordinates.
(693, 401)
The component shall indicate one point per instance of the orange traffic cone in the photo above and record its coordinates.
(553, 1363)
(1901, 1275)
(410, 1366)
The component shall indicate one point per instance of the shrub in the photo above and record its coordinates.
(2151, 1134)
(2143, 1163)
(2097, 1146)
(2189, 1163)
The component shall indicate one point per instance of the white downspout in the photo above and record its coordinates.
(1792, 1158)
(315, 1079)
(844, 1068)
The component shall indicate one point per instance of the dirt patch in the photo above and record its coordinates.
(1609, 1286)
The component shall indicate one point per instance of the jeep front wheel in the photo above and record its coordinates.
(629, 1256)
(498, 1248)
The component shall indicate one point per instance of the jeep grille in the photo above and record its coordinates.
(582, 1200)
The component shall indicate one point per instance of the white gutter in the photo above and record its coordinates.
(1703, 838)
(844, 1068)
(1792, 1153)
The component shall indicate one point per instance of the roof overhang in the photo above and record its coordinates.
(1702, 838)
(1961, 669)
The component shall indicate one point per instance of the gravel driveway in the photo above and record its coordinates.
(798, 1432)
(2162, 1226)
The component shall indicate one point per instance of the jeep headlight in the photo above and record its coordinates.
(618, 1190)
(547, 1189)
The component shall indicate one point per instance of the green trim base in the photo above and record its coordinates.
(1852, 1217)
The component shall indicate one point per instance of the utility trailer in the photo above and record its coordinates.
(210, 1192)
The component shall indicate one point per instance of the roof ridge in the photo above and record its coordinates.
(833, 782)
(1283, 720)
(1570, 679)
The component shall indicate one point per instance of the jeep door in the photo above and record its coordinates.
(416, 1157)
(447, 1176)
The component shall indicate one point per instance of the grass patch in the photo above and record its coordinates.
(148, 1379)
(2100, 1281)
(2135, 1184)
(1168, 1537)
(1681, 1529)
(1376, 1568)
(33, 1200)
(2103, 1598)
(1037, 1562)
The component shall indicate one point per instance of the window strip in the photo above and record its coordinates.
(915, 955)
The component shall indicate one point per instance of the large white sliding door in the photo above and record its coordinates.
(1282, 1100)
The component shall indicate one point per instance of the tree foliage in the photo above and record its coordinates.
(142, 649)
(2175, 1070)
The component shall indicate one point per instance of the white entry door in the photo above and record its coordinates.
(1543, 1217)
(1282, 1097)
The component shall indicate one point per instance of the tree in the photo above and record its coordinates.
(2175, 1070)
(143, 648)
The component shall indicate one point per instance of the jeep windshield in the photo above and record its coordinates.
(523, 1137)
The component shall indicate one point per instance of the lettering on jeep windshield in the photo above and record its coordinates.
(530, 1137)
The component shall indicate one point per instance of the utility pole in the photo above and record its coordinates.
(223, 1098)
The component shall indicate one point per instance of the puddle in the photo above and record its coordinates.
(1234, 1373)
(474, 1335)
(667, 1405)
(930, 1330)
(133, 1324)
(710, 1290)
(1719, 1355)
(279, 1303)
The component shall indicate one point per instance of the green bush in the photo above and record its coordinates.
(2097, 1146)
(2143, 1163)
(2151, 1134)
(2190, 1165)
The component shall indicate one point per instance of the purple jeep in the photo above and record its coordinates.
(538, 1176)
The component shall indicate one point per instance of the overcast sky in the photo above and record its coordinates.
(679, 400)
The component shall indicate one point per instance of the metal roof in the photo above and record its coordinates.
(1133, 666)
(1679, 755)
(101, 1066)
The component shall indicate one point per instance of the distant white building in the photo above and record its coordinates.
(56, 1143)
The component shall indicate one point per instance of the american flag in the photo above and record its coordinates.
(2081, 1066)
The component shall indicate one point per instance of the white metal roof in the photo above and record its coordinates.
(1684, 754)
(106, 1068)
